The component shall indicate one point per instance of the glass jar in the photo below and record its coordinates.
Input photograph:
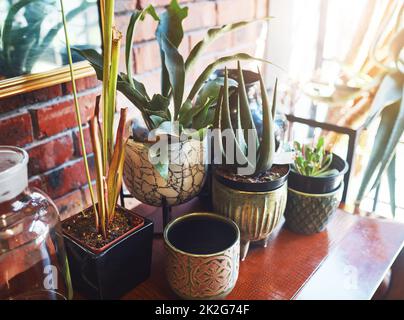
(33, 263)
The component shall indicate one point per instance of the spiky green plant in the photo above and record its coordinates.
(108, 156)
(175, 68)
(245, 135)
(313, 161)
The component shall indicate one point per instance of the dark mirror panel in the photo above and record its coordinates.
(32, 38)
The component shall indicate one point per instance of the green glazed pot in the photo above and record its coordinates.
(310, 213)
(202, 256)
(256, 213)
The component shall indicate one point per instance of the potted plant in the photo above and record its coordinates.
(315, 188)
(255, 197)
(108, 247)
(169, 115)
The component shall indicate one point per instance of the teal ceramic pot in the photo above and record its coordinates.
(310, 213)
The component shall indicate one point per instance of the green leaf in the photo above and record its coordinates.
(210, 68)
(388, 115)
(396, 133)
(136, 16)
(200, 118)
(210, 90)
(212, 35)
(226, 124)
(247, 122)
(266, 150)
(389, 91)
(391, 178)
(170, 27)
(185, 114)
(176, 71)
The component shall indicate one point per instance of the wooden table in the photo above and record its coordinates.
(347, 261)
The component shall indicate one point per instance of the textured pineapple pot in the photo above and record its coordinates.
(186, 172)
(308, 213)
(257, 208)
(312, 201)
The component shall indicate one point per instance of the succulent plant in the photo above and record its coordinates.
(313, 161)
(245, 134)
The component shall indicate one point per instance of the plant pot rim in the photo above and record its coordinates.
(151, 142)
(319, 195)
(200, 214)
(110, 245)
(340, 173)
(263, 187)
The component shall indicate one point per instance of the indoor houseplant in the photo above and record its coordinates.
(255, 198)
(108, 247)
(169, 114)
(315, 187)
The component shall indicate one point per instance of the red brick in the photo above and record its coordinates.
(87, 141)
(125, 5)
(36, 182)
(69, 204)
(145, 29)
(28, 98)
(200, 14)
(67, 178)
(87, 105)
(147, 57)
(58, 117)
(54, 118)
(82, 84)
(230, 11)
(247, 35)
(261, 8)
(50, 154)
(158, 3)
(16, 130)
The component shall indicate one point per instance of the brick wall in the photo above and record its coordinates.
(43, 121)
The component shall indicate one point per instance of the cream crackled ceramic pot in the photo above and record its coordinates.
(185, 177)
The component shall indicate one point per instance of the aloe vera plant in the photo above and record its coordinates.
(189, 112)
(313, 161)
(245, 135)
(108, 156)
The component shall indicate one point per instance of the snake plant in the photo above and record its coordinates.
(245, 134)
(157, 110)
(22, 45)
(313, 161)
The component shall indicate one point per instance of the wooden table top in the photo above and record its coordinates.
(347, 261)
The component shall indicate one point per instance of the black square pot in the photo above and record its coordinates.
(115, 271)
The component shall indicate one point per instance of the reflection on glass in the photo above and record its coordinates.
(31, 34)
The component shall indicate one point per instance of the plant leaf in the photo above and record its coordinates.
(212, 35)
(266, 150)
(391, 178)
(396, 133)
(136, 16)
(210, 68)
(388, 115)
(176, 71)
(389, 91)
(247, 122)
(170, 27)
